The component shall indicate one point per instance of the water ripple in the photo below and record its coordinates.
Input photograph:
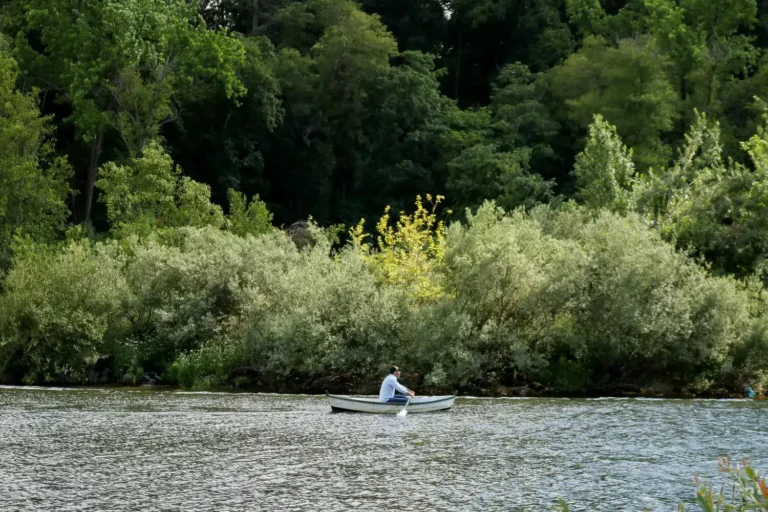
(115, 450)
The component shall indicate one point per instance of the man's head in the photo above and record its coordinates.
(395, 370)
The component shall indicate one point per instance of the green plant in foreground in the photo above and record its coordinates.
(749, 491)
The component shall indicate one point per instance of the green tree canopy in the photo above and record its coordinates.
(33, 180)
(122, 65)
(629, 86)
(604, 170)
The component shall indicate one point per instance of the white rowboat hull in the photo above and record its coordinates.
(340, 403)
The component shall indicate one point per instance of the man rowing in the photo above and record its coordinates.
(390, 385)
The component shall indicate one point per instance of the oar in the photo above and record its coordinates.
(404, 412)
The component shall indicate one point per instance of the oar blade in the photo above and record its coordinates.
(404, 411)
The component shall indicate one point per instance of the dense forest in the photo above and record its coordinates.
(570, 195)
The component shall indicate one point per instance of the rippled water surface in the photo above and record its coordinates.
(146, 450)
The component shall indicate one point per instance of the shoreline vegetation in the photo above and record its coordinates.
(564, 300)
(151, 385)
(188, 199)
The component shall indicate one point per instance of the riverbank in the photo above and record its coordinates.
(533, 391)
(546, 303)
(250, 379)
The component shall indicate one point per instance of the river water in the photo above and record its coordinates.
(121, 450)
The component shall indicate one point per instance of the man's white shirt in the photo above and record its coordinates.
(389, 386)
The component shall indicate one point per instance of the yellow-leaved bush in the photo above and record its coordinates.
(409, 252)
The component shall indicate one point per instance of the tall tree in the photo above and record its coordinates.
(33, 181)
(484, 173)
(122, 65)
(364, 124)
(713, 207)
(485, 35)
(222, 143)
(628, 86)
(332, 55)
(250, 17)
(604, 170)
(418, 25)
(521, 106)
(703, 40)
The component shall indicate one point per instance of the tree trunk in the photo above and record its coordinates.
(254, 16)
(457, 78)
(90, 180)
(683, 87)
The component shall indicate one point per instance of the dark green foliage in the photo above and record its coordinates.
(333, 109)
(628, 85)
(520, 104)
(484, 172)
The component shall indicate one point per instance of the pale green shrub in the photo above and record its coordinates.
(514, 284)
(193, 285)
(57, 307)
(556, 293)
(571, 298)
(321, 315)
(644, 305)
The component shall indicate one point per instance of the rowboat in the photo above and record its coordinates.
(342, 403)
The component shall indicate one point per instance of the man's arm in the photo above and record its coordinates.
(404, 390)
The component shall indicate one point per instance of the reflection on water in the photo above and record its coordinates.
(133, 450)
